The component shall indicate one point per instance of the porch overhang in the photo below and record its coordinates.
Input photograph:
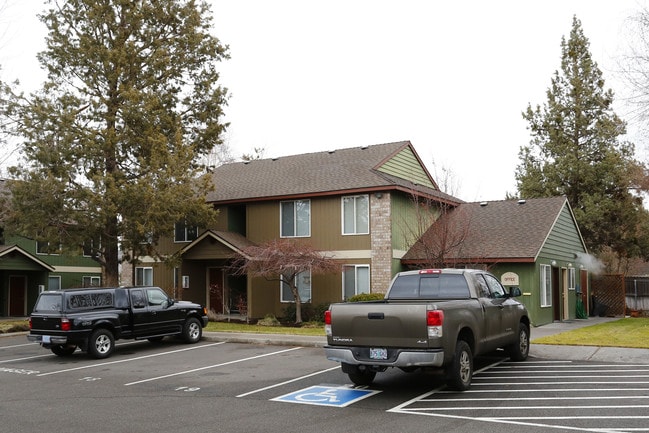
(30, 261)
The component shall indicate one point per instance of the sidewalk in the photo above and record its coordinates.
(545, 351)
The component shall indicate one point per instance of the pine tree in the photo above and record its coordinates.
(576, 151)
(111, 141)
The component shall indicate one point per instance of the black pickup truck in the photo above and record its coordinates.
(92, 319)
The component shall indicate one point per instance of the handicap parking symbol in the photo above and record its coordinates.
(337, 396)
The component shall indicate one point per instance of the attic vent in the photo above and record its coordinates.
(275, 159)
(246, 162)
(364, 147)
(332, 151)
(522, 201)
(483, 203)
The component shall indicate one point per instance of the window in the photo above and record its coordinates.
(356, 279)
(54, 283)
(571, 279)
(295, 218)
(156, 297)
(356, 215)
(303, 282)
(496, 289)
(143, 276)
(90, 248)
(546, 286)
(185, 233)
(91, 281)
(45, 248)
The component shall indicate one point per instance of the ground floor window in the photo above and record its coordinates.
(303, 282)
(356, 279)
(54, 283)
(546, 286)
(143, 276)
(91, 281)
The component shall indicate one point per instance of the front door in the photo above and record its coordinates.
(217, 291)
(17, 295)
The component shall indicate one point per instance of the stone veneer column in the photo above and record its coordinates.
(381, 242)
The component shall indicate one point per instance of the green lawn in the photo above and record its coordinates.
(629, 332)
(307, 329)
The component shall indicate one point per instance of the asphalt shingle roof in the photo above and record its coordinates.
(509, 230)
(351, 169)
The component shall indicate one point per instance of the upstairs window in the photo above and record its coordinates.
(185, 233)
(46, 248)
(295, 218)
(356, 215)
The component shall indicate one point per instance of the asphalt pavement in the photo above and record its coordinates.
(545, 351)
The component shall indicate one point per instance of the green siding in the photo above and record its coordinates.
(560, 247)
(405, 165)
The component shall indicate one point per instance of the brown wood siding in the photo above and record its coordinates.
(208, 248)
(406, 166)
(262, 221)
(326, 231)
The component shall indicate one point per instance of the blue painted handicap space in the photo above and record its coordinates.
(337, 396)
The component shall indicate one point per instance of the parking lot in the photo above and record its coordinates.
(227, 387)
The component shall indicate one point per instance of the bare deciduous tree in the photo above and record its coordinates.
(283, 260)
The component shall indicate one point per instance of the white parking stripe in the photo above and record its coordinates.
(101, 364)
(212, 366)
(17, 345)
(26, 358)
(288, 381)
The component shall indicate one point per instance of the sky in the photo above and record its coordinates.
(452, 77)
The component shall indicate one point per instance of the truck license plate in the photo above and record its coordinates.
(378, 353)
(46, 339)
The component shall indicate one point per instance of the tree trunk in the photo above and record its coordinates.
(111, 254)
(298, 305)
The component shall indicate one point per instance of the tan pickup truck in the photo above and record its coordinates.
(432, 318)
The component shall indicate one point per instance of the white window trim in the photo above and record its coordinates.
(57, 277)
(342, 215)
(281, 218)
(303, 301)
(572, 278)
(144, 268)
(355, 278)
(186, 238)
(92, 278)
(545, 286)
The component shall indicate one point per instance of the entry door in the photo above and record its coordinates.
(564, 294)
(217, 290)
(17, 296)
(556, 295)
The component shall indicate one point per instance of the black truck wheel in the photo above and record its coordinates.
(460, 371)
(192, 330)
(63, 350)
(519, 350)
(101, 343)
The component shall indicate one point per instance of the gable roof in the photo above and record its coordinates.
(499, 231)
(381, 167)
(230, 240)
(8, 250)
